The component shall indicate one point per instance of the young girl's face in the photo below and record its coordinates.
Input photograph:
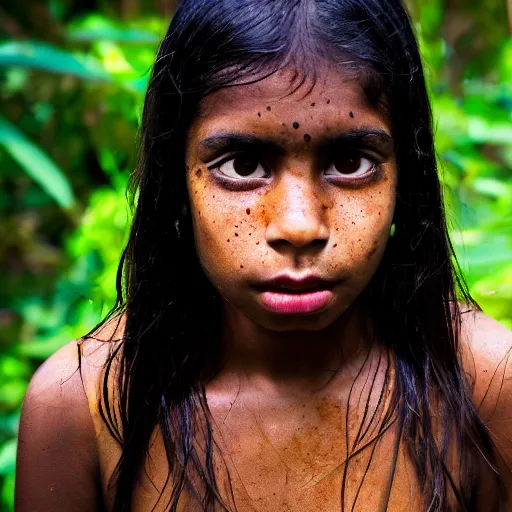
(298, 185)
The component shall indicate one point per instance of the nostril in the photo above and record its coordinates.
(281, 244)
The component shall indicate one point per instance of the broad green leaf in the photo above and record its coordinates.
(492, 187)
(483, 130)
(36, 164)
(34, 54)
(94, 28)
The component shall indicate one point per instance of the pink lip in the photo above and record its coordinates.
(296, 303)
(295, 295)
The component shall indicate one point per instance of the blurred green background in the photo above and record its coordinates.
(72, 80)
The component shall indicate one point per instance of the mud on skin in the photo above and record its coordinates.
(279, 179)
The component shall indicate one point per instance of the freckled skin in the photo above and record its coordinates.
(295, 231)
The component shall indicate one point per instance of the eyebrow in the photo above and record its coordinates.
(353, 139)
(225, 141)
(357, 138)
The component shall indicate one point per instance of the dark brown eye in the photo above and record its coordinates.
(243, 166)
(350, 164)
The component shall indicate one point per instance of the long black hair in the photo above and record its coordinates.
(168, 349)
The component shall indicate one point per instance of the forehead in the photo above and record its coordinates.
(333, 100)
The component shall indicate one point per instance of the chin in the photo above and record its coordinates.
(304, 322)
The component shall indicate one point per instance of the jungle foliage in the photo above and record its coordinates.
(72, 78)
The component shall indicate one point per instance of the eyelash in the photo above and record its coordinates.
(373, 174)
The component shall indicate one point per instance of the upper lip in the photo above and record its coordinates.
(297, 283)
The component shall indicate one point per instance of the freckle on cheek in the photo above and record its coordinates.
(335, 245)
(236, 234)
(248, 211)
(296, 125)
(371, 253)
(269, 109)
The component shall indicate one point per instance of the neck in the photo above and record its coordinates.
(298, 361)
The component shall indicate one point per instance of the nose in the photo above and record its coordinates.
(298, 219)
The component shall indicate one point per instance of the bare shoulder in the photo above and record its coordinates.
(58, 464)
(487, 357)
(55, 390)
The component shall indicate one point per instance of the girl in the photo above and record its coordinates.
(287, 334)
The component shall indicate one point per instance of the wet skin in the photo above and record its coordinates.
(309, 188)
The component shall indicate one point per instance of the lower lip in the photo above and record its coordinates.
(296, 303)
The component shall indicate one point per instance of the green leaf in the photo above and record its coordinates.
(12, 368)
(95, 27)
(7, 493)
(8, 457)
(32, 54)
(12, 393)
(492, 187)
(36, 164)
(9, 424)
(483, 130)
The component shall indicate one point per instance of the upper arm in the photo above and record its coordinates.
(57, 463)
(487, 352)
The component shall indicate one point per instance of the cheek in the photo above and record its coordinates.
(227, 235)
(362, 228)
